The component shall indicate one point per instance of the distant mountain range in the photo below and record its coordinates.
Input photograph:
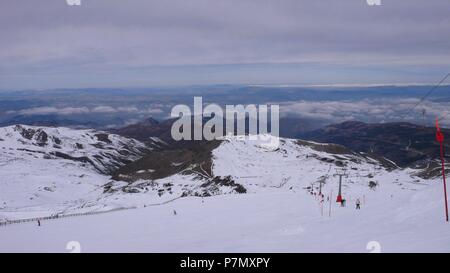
(404, 143)
(144, 130)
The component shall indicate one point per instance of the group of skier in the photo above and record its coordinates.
(343, 201)
(357, 203)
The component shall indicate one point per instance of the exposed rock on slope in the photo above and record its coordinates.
(103, 151)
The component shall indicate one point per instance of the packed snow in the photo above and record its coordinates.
(265, 222)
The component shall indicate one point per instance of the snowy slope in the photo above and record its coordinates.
(37, 183)
(102, 151)
(280, 211)
(295, 165)
(264, 222)
(45, 170)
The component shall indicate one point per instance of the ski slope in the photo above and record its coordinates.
(281, 211)
(264, 222)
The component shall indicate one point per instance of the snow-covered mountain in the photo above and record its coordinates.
(255, 186)
(103, 151)
(47, 171)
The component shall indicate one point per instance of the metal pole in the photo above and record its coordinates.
(331, 196)
(340, 185)
(440, 139)
(443, 177)
(321, 207)
(340, 174)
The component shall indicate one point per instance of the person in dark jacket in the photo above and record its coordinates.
(358, 204)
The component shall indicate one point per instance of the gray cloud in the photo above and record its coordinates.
(47, 43)
(51, 110)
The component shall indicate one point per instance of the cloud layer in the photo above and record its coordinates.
(369, 110)
(101, 109)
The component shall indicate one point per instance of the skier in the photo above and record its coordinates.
(39, 223)
(342, 202)
(358, 204)
(174, 212)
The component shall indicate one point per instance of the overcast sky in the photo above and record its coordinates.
(117, 43)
